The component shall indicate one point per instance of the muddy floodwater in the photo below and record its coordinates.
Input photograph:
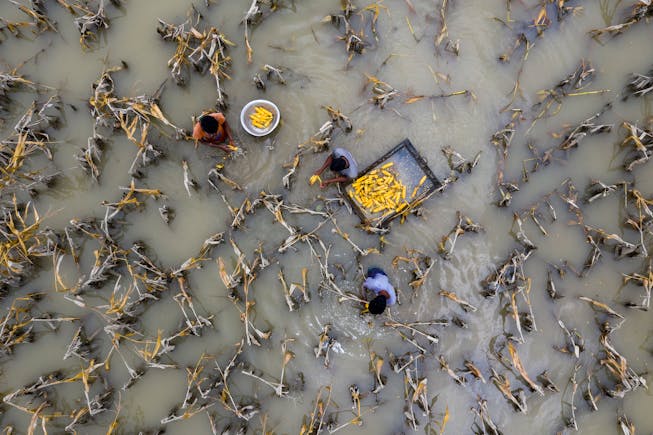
(152, 284)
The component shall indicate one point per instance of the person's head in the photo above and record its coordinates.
(377, 305)
(373, 271)
(209, 124)
(338, 164)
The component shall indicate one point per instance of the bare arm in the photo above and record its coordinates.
(223, 147)
(213, 143)
(227, 130)
(197, 131)
(326, 164)
(339, 179)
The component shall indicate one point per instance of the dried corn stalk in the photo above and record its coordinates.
(205, 50)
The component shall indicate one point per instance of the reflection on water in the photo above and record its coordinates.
(187, 284)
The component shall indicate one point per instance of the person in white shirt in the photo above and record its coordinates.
(343, 163)
(378, 282)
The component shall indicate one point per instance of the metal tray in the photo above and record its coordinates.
(410, 167)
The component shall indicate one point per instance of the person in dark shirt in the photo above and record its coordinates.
(341, 162)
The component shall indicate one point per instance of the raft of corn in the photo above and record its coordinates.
(381, 191)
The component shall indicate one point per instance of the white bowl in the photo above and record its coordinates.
(246, 122)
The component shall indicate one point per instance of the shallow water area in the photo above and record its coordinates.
(245, 311)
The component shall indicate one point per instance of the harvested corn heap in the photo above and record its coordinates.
(261, 117)
(380, 191)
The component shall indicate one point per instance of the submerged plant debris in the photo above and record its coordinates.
(205, 50)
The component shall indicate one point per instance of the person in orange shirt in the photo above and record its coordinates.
(213, 130)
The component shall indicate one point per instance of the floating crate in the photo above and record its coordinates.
(409, 167)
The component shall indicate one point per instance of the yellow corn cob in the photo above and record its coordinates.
(379, 190)
(261, 117)
(262, 114)
(262, 110)
(260, 124)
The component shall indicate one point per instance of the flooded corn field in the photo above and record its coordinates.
(152, 283)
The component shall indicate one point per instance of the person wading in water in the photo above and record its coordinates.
(213, 130)
(378, 282)
(343, 163)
